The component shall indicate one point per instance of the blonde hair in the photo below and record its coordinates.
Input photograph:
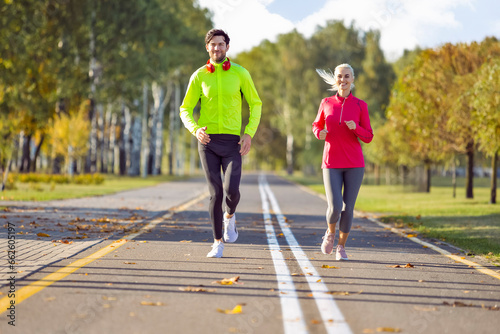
(330, 78)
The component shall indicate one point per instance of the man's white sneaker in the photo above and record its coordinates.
(230, 231)
(217, 249)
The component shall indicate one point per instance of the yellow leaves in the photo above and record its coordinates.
(236, 310)
(129, 263)
(382, 329)
(43, 235)
(329, 267)
(144, 303)
(227, 281)
(388, 330)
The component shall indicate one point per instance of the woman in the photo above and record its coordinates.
(342, 119)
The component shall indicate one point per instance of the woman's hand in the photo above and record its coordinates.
(322, 134)
(351, 125)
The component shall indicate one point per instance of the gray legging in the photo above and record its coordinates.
(334, 179)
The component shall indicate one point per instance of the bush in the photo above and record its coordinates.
(33, 178)
(11, 182)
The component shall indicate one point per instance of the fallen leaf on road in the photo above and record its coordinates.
(196, 289)
(185, 241)
(408, 265)
(458, 304)
(237, 309)
(388, 330)
(491, 308)
(129, 263)
(343, 293)
(67, 242)
(108, 298)
(329, 267)
(227, 281)
(45, 235)
(425, 309)
(411, 235)
(152, 303)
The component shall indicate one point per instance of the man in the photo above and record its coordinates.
(220, 85)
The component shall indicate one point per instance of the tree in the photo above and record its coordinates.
(486, 115)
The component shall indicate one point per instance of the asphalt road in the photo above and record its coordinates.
(157, 279)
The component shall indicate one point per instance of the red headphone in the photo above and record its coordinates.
(225, 66)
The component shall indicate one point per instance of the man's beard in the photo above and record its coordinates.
(219, 60)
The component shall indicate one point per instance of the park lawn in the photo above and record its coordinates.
(470, 224)
(112, 184)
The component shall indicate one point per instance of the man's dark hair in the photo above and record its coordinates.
(216, 32)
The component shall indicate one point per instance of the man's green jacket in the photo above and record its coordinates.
(220, 94)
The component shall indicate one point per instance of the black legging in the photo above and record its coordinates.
(222, 152)
(334, 180)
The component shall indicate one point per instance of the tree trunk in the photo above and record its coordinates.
(428, 177)
(91, 162)
(125, 141)
(113, 149)
(494, 166)
(37, 153)
(161, 98)
(101, 139)
(144, 143)
(135, 153)
(26, 157)
(469, 174)
(172, 133)
(106, 140)
(454, 177)
(6, 173)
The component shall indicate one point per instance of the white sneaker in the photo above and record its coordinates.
(230, 231)
(217, 249)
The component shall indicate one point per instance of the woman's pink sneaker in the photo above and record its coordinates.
(327, 244)
(340, 253)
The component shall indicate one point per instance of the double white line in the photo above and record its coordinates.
(293, 318)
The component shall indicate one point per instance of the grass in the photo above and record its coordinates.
(112, 184)
(470, 224)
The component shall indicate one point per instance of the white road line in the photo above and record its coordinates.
(293, 319)
(332, 317)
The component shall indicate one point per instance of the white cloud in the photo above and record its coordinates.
(247, 22)
(404, 24)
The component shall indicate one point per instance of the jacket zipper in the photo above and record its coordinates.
(342, 110)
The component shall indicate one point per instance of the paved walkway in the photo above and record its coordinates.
(47, 232)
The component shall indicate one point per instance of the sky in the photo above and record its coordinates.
(404, 24)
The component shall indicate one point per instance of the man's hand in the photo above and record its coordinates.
(246, 143)
(322, 134)
(202, 136)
